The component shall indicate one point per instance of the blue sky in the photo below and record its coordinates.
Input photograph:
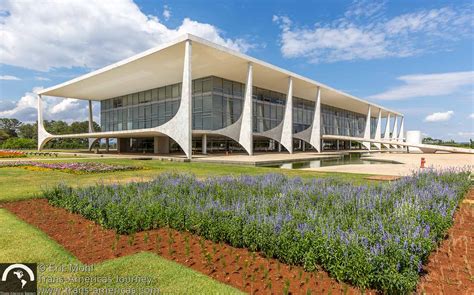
(412, 56)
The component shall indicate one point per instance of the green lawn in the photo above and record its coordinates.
(21, 242)
(19, 183)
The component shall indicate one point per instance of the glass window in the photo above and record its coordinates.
(169, 91)
(197, 121)
(197, 87)
(168, 110)
(148, 96)
(227, 87)
(148, 112)
(197, 103)
(141, 97)
(217, 103)
(206, 122)
(135, 98)
(174, 107)
(217, 84)
(154, 94)
(266, 111)
(175, 90)
(161, 113)
(236, 108)
(141, 113)
(207, 103)
(161, 93)
(237, 89)
(217, 121)
(154, 110)
(273, 112)
(124, 119)
(206, 85)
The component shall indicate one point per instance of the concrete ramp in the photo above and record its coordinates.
(426, 148)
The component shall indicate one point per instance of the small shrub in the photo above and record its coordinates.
(19, 143)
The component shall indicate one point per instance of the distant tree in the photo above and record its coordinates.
(56, 127)
(10, 126)
(25, 135)
(83, 127)
(28, 131)
(61, 127)
(3, 135)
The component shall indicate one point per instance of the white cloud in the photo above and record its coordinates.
(364, 8)
(465, 134)
(439, 117)
(423, 85)
(166, 12)
(8, 77)
(471, 116)
(75, 33)
(42, 79)
(55, 108)
(350, 38)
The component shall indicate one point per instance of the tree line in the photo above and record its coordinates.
(15, 134)
(435, 141)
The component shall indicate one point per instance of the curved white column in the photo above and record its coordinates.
(246, 127)
(283, 132)
(367, 130)
(386, 135)
(312, 134)
(287, 128)
(179, 128)
(91, 127)
(395, 130)
(241, 130)
(378, 130)
(401, 134)
(43, 135)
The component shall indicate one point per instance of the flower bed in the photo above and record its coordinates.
(374, 236)
(11, 154)
(75, 168)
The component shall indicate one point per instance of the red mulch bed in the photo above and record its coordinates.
(240, 268)
(450, 269)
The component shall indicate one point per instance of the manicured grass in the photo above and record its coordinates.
(18, 183)
(21, 242)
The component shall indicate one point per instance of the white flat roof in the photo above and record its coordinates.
(162, 65)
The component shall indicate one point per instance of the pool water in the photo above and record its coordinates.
(354, 158)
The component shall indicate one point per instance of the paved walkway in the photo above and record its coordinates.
(409, 163)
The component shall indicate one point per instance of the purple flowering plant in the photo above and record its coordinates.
(372, 236)
(71, 167)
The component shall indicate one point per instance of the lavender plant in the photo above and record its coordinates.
(373, 236)
(74, 167)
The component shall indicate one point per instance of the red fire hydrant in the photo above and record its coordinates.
(422, 164)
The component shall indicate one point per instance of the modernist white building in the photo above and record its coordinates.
(192, 95)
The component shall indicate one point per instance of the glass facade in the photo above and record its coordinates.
(217, 103)
(303, 113)
(337, 121)
(268, 109)
(139, 110)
